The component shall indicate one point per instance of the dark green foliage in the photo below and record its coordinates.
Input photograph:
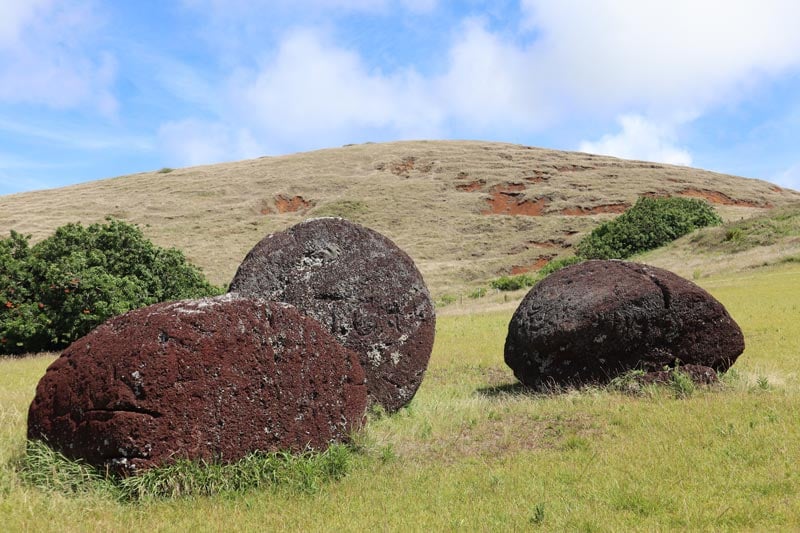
(521, 281)
(558, 264)
(307, 472)
(58, 290)
(513, 283)
(650, 223)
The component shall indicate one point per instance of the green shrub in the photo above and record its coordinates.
(444, 300)
(58, 290)
(558, 264)
(650, 223)
(513, 283)
(480, 292)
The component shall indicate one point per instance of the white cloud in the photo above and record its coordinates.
(489, 82)
(662, 55)
(14, 16)
(655, 65)
(640, 139)
(74, 137)
(45, 56)
(314, 92)
(196, 142)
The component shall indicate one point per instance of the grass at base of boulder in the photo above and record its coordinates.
(47, 469)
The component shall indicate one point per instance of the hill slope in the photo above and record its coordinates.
(465, 211)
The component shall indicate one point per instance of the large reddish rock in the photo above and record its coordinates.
(591, 321)
(361, 287)
(209, 379)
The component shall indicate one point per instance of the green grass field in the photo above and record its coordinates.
(473, 453)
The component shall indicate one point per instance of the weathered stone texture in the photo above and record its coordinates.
(209, 379)
(591, 321)
(361, 287)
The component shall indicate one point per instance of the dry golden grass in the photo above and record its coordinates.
(406, 190)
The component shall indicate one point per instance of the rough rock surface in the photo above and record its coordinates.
(209, 379)
(591, 321)
(360, 286)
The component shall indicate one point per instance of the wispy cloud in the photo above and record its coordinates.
(72, 137)
(48, 56)
(640, 139)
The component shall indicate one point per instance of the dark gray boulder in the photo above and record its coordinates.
(592, 321)
(361, 287)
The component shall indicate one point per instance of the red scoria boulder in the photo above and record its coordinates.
(364, 289)
(592, 321)
(211, 379)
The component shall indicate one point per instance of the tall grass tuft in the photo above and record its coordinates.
(306, 472)
(43, 467)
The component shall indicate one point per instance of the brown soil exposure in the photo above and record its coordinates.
(404, 166)
(471, 186)
(592, 321)
(507, 199)
(523, 269)
(211, 379)
(716, 197)
(597, 210)
(361, 287)
(285, 204)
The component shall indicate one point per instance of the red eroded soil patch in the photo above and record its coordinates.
(596, 210)
(513, 203)
(285, 204)
(716, 197)
(538, 264)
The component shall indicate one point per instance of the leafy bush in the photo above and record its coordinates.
(480, 292)
(558, 264)
(513, 283)
(650, 223)
(58, 290)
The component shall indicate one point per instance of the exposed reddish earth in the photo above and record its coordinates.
(472, 186)
(514, 203)
(211, 379)
(538, 264)
(293, 204)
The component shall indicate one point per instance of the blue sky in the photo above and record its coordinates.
(92, 89)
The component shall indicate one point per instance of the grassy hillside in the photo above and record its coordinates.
(473, 453)
(465, 211)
